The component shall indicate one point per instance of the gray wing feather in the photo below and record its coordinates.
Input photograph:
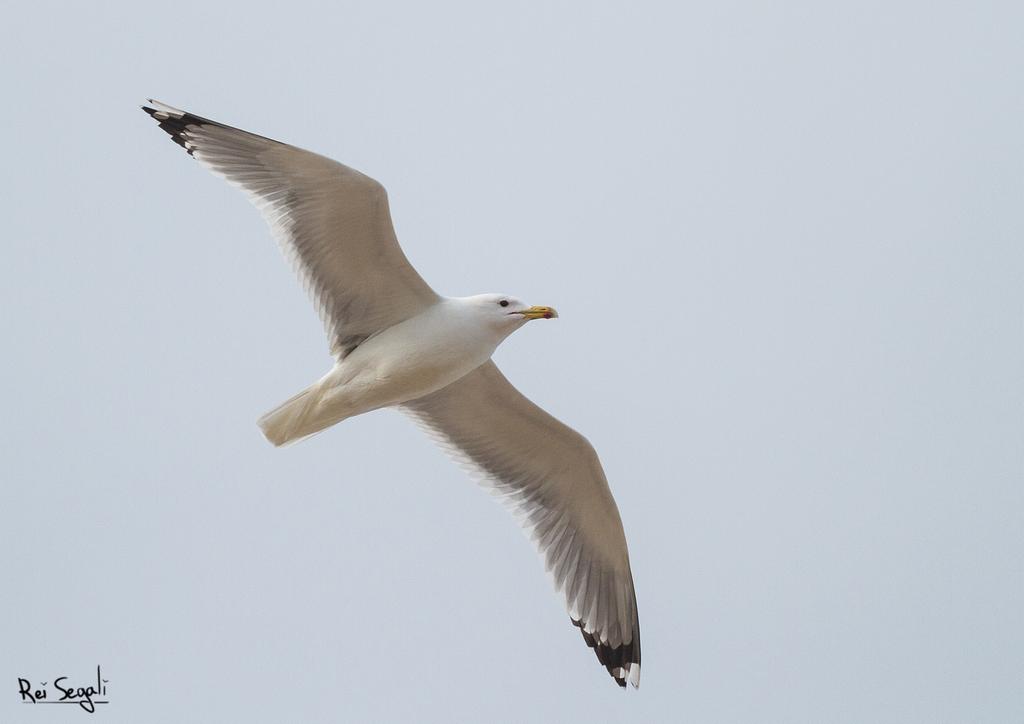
(550, 477)
(333, 222)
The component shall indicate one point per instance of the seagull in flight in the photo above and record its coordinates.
(397, 343)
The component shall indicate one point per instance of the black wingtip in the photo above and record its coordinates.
(179, 124)
(174, 125)
(615, 659)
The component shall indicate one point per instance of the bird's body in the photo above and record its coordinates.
(397, 343)
(404, 362)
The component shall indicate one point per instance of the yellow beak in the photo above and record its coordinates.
(539, 313)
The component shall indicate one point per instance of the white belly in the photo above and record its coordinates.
(412, 359)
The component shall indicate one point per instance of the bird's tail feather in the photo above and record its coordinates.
(298, 417)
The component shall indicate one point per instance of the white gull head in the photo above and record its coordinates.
(502, 313)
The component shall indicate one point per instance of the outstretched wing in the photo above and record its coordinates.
(332, 221)
(550, 476)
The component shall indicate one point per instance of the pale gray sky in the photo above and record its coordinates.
(786, 244)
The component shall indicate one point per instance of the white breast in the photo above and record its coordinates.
(413, 358)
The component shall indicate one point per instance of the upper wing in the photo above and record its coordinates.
(550, 476)
(331, 220)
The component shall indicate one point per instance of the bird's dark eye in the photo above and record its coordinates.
(503, 302)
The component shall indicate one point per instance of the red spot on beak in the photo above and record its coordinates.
(547, 315)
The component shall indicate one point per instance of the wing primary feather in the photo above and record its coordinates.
(332, 222)
(549, 477)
